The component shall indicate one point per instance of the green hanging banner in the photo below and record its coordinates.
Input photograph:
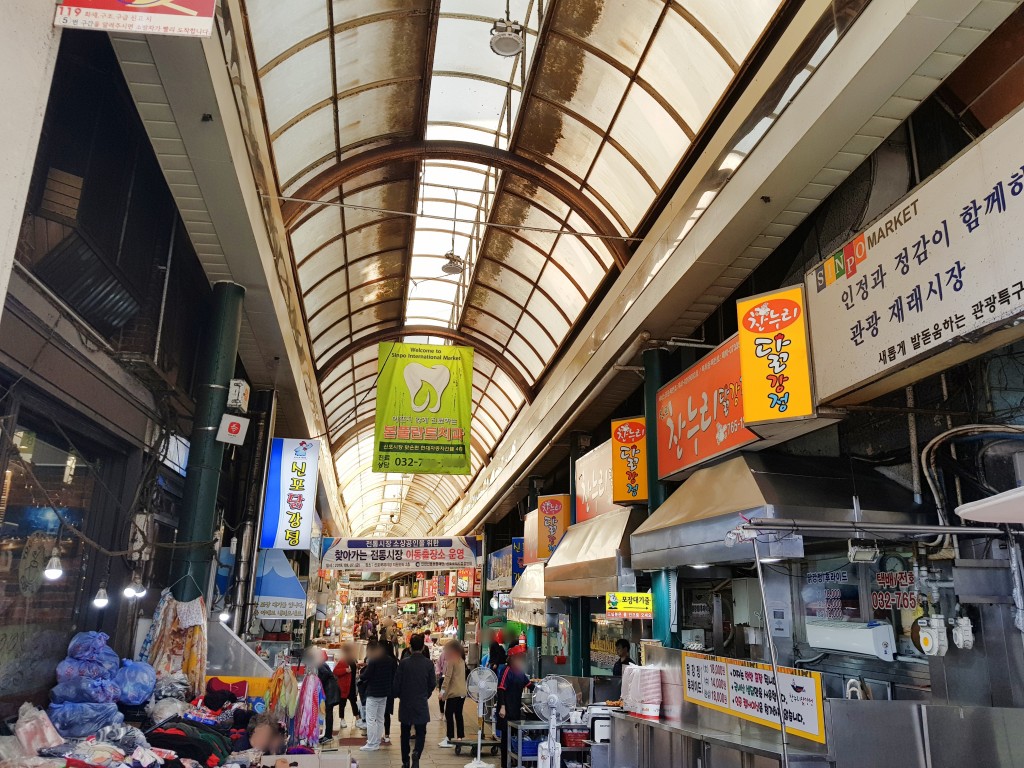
(424, 409)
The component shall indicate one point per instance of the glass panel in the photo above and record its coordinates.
(548, 315)
(383, 110)
(396, 46)
(683, 67)
(468, 101)
(314, 269)
(504, 248)
(537, 337)
(552, 132)
(735, 23)
(298, 83)
(463, 45)
(309, 139)
(555, 284)
(579, 263)
(526, 358)
(277, 26)
(619, 29)
(504, 281)
(650, 135)
(577, 79)
(323, 225)
(617, 180)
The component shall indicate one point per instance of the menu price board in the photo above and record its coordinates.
(747, 690)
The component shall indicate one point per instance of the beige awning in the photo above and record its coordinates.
(593, 557)
(528, 601)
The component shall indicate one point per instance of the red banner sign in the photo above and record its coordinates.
(191, 18)
(700, 412)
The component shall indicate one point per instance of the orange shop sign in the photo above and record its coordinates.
(700, 412)
(629, 461)
(775, 357)
(189, 18)
(552, 520)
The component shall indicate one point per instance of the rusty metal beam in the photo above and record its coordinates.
(464, 151)
(391, 334)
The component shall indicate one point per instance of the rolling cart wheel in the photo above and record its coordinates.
(458, 749)
(494, 750)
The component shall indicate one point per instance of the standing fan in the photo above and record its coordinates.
(483, 687)
(553, 699)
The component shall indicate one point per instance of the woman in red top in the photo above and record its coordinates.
(345, 672)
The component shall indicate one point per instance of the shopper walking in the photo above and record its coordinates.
(389, 709)
(376, 681)
(454, 692)
(345, 672)
(414, 682)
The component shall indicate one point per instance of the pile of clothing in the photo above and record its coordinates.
(192, 741)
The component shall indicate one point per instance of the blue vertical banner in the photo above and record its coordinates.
(290, 504)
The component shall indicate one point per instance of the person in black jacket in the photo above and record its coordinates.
(332, 692)
(375, 683)
(511, 684)
(389, 708)
(414, 682)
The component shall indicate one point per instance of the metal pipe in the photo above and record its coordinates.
(772, 656)
(797, 525)
(243, 609)
(915, 458)
(163, 295)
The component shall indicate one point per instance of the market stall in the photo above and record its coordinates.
(592, 560)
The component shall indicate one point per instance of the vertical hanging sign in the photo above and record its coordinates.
(775, 357)
(552, 522)
(290, 503)
(424, 409)
(629, 461)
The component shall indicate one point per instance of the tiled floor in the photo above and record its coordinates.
(390, 756)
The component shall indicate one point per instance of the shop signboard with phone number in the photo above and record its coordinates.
(747, 690)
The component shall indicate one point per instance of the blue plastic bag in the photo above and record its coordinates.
(86, 690)
(76, 721)
(103, 666)
(86, 645)
(136, 681)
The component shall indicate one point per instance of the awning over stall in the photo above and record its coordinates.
(593, 557)
(690, 528)
(528, 601)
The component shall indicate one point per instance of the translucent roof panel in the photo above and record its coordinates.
(463, 246)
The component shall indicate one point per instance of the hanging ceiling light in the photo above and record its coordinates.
(224, 617)
(102, 600)
(136, 588)
(53, 570)
(507, 36)
(454, 265)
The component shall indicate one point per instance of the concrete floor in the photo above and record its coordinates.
(390, 755)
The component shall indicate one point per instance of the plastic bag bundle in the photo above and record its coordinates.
(86, 689)
(136, 681)
(85, 646)
(77, 720)
(103, 665)
(166, 708)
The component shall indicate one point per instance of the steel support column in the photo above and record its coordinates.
(655, 362)
(191, 566)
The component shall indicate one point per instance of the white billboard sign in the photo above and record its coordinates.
(940, 268)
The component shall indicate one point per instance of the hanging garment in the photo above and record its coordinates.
(282, 694)
(147, 644)
(179, 642)
(309, 718)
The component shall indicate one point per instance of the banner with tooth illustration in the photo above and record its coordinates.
(424, 409)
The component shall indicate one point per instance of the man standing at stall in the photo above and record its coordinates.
(512, 681)
(414, 683)
(624, 659)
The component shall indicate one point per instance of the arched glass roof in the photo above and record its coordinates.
(606, 98)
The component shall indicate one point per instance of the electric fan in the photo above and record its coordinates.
(483, 687)
(553, 699)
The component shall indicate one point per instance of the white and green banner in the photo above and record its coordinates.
(424, 409)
